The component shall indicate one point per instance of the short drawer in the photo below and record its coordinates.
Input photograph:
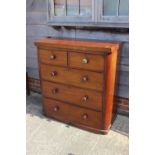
(72, 114)
(86, 61)
(53, 57)
(82, 97)
(79, 78)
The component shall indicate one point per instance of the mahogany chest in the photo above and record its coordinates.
(78, 81)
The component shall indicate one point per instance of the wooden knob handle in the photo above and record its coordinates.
(84, 78)
(85, 117)
(54, 90)
(56, 108)
(53, 73)
(85, 60)
(52, 57)
(85, 98)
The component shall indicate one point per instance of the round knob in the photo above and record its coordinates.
(84, 98)
(52, 57)
(85, 78)
(54, 90)
(56, 108)
(85, 60)
(85, 117)
(53, 73)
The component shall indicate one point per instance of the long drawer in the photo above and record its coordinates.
(72, 114)
(78, 96)
(79, 78)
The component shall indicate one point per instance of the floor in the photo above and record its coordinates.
(48, 137)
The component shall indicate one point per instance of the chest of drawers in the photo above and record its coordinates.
(78, 81)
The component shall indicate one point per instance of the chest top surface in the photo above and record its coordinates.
(98, 46)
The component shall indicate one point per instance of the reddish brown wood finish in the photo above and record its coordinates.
(110, 82)
(81, 97)
(79, 78)
(86, 61)
(95, 47)
(53, 57)
(65, 80)
(70, 113)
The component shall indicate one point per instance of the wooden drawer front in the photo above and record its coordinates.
(86, 61)
(53, 57)
(55, 109)
(84, 79)
(72, 114)
(82, 97)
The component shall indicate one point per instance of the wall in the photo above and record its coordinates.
(37, 28)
